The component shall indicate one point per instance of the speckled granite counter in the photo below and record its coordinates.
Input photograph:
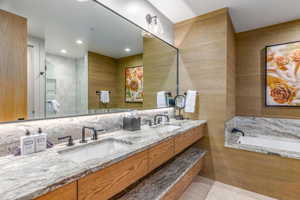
(27, 177)
(272, 136)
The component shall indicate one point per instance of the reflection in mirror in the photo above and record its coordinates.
(81, 59)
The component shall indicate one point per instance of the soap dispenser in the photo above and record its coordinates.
(27, 144)
(40, 141)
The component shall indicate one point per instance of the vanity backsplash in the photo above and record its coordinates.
(10, 133)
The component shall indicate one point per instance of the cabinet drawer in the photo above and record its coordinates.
(160, 154)
(188, 138)
(68, 192)
(198, 132)
(183, 141)
(106, 183)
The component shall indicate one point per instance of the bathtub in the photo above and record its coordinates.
(284, 144)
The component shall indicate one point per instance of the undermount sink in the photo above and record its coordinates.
(98, 150)
(167, 128)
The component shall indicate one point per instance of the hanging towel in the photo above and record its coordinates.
(55, 106)
(190, 102)
(162, 99)
(104, 96)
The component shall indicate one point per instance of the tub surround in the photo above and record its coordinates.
(27, 177)
(10, 133)
(258, 128)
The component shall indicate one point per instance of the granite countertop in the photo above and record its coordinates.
(28, 177)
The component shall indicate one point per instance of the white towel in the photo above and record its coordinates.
(104, 96)
(190, 102)
(55, 106)
(161, 99)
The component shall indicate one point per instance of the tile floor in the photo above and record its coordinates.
(205, 189)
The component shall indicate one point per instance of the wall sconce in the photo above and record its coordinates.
(154, 26)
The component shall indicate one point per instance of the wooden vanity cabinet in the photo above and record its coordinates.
(161, 153)
(67, 192)
(112, 180)
(198, 132)
(188, 138)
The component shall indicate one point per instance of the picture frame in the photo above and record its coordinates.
(134, 84)
(282, 75)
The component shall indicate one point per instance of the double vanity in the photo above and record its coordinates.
(100, 169)
(94, 74)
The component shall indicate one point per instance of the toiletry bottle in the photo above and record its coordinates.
(27, 144)
(40, 141)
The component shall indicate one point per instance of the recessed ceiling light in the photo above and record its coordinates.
(63, 51)
(127, 50)
(79, 42)
(82, 0)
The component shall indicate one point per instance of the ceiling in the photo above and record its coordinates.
(61, 23)
(245, 14)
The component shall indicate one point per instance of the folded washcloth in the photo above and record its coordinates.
(104, 96)
(162, 99)
(190, 102)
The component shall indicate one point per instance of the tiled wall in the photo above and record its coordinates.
(65, 71)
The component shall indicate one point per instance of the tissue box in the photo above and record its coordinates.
(131, 124)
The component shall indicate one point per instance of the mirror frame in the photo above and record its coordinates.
(94, 114)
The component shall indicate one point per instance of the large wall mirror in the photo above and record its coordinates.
(67, 58)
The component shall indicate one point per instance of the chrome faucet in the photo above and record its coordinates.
(95, 133)
(157, 118)
(70, 140)
(235, 130)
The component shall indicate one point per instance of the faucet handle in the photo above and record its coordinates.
(149, 121)
(70, 141)
(95, 133)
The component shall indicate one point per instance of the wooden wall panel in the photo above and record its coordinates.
(13, 67)
(206, 44)
(160, 70)
(131, 61)
(203, 67)
(250, 69)
(231, 70)
(282, 178)
(102, 75)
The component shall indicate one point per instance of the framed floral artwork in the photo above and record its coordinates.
(283, 75)
(134, 88)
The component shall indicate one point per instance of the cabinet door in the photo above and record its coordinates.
(110, 181)
(188, 138)
(160, 154)
(68, 192)
(198, 132)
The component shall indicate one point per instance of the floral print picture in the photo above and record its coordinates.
(283, 75)
(134, 89)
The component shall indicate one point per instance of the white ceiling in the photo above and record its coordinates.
(245, 14)
(61, 22)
